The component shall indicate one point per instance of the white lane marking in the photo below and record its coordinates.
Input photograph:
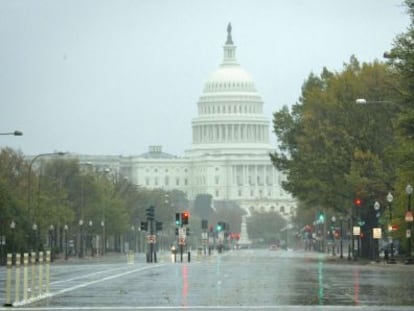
(82, 285)
(258, 307)
(86, 276)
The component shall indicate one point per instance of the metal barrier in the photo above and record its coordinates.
(40, 283)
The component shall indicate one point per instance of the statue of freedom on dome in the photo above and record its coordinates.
(229, 39)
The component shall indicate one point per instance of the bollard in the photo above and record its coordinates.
(8, 281)
(33, 262)
(25, 275)
(189, 256)
(131, 258)
(48, 257)
(17, 280)
(40, 276)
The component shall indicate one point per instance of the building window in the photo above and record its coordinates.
(217, 180)
(167, 180)
(282, 209)
(147, 181)
(177, 181)
(186, 181)
(240, 192)
(217, 193)
(252, 193)
(156, 181)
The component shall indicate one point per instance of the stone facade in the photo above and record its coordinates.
(229, 156)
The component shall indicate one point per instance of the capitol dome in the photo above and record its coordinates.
(230, 76)
(229, 79)
(230, 110)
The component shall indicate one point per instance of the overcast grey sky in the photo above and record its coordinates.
(113, 77)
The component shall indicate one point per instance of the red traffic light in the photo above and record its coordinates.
(184, 217)
(358, 202)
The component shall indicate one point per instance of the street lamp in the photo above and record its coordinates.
(15, 133)
(29, 181)
(51, 228)
(103, 237)
(375, 246)
(333, 219)
(363, 101)
(66, 241)
(390, 198)
(90, 236)
(409, 221)
(81, 238)
(12, 227)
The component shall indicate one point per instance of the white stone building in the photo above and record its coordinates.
(229, 156)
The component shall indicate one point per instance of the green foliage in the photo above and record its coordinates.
(265, 226)
(333, 149)
(63, 191)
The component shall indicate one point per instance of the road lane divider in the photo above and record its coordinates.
(39, 283)
(86, 284)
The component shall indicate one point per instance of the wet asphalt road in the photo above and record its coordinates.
(235, 280)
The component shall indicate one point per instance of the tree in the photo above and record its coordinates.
(202, 206)
(265, 227)
(332, 149)
(401, 60)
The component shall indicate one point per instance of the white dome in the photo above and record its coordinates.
(229, 78)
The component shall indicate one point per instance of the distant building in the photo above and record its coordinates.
(229, 155)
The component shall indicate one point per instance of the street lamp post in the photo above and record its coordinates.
(375, 240)
(15, 133)
(103, 237)
(409, 221)
(390, 198)
(51, 229)
(341, 219)
(333, 219)
(90, 236)
(29, 193)
(12, 227)
(81, 238)
(66, 241)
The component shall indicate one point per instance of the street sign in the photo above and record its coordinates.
(151, 239)
(377, 233)
(356, 230)
(204, 235)
(181, 241)
(181, 232)
(409, 216)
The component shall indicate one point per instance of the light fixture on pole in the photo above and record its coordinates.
(409, 221)
(66, 241)
(390, 198)
(12, 227)
(333, 219)
(29, 192)
(376, 232)
(15, 133)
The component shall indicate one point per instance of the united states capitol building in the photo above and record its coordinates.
(229, 156)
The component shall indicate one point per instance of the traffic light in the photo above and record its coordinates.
(158, 226)
(321, 217)
(187, 231)
(176, 231)
(150, 213)
(219, 226)
(144, 226)
(177, 219)
(184, 217)
(358, 202)
(204, 224)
